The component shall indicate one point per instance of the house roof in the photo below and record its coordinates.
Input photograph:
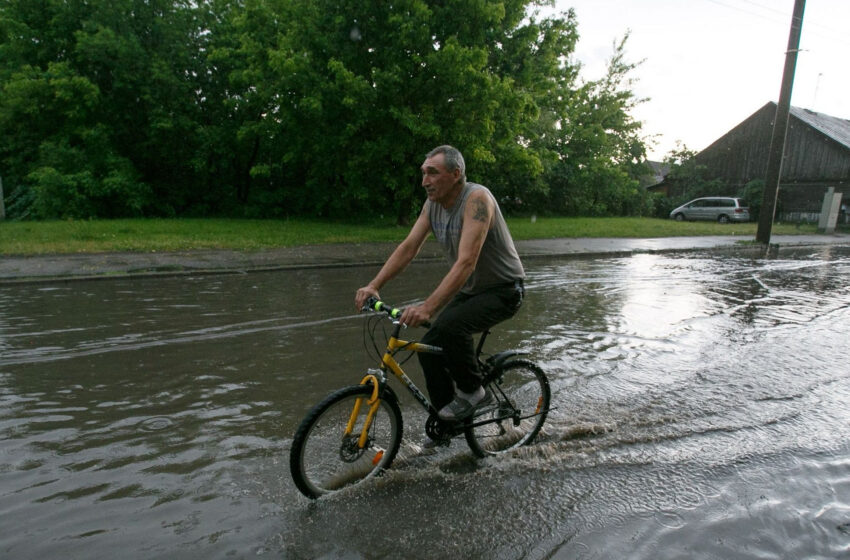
(657, 171)
(834, 127)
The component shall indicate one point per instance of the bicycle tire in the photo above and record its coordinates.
(521, 398)
(322, 460)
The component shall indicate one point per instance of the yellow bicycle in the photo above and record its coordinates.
(355, 432)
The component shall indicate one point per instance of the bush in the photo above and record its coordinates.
(753, 193)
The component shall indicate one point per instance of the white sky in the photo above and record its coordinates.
(710, 64)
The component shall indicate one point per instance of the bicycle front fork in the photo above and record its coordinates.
(374, 401)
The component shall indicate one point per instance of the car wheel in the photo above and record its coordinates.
(679, 217)
(723, 219)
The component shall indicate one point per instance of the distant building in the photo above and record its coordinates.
(817, 156)
(655, 173)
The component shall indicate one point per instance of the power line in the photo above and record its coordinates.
(750, 12)
(768, 8)
(809, 21)
(833, 34)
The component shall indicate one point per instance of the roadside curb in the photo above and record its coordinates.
(108, 266)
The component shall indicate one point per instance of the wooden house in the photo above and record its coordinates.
(817, 156)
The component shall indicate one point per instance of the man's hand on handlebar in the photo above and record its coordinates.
(364, 294)
(415, 315)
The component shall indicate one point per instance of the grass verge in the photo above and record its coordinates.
(149, 235)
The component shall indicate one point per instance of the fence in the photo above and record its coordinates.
(807, 218)
(798, 217)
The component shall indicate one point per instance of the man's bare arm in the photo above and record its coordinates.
(398, 260)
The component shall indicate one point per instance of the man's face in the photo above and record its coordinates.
(438, 182)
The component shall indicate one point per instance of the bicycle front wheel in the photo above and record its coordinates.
(521, 399)
(323, 459)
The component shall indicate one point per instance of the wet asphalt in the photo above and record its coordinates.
(41, 268)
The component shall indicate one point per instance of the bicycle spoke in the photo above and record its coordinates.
(324, 460)
(522, 399)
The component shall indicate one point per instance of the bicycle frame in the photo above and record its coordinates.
(378, 378)
(388, 361)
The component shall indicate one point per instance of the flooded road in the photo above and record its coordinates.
(701, 412)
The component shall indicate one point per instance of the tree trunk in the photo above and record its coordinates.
(245, 183)
(404, 199)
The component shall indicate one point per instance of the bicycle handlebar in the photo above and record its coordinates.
(374, 304)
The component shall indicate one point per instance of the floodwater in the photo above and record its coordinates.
(701, 412)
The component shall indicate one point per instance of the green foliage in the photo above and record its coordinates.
(72, 170)
(97, 116)
(263, 108)
(600, 152)
(370, 87)
(753, 193)
(86, 181)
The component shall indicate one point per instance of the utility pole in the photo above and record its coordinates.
(780, 128)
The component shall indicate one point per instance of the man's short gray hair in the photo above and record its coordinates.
(452, 158)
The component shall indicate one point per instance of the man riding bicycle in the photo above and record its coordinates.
(483, 287)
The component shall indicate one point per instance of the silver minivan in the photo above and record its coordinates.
(715, 208)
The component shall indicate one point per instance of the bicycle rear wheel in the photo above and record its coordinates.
(521, 399)
(324, 460)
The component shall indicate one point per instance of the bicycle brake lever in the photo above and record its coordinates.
(426, 324)
(369, 304)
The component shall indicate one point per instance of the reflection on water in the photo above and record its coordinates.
(701, 412)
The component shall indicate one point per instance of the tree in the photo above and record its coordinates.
(98, 110)
(61, 152)
(753, 193)
(687, 178)
(303, 107)
(600, 150)
(367, 88)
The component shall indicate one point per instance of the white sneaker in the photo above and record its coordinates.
(464, 405)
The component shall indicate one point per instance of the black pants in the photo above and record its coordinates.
(464, 316)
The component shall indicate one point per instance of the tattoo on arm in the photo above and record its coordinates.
(480, 211)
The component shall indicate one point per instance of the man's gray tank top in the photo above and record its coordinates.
(498, 262)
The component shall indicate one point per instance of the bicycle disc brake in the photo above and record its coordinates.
(350, 451)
